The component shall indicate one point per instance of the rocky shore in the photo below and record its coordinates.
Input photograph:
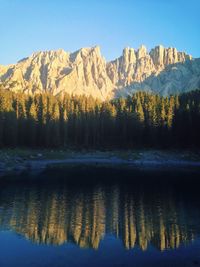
(17, 162)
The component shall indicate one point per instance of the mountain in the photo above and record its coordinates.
(162, 70)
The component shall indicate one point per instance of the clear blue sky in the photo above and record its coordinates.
(27, 26)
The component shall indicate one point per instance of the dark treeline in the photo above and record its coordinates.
(142, 120)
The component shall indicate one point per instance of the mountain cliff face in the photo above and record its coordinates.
(163, 70)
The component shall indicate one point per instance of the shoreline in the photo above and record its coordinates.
(17, 163)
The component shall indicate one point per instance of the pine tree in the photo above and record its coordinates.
(32, 126)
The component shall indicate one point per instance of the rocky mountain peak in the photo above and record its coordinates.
(165, 56)
(141, 52)
(50, 55)
(87, 72)
(129, 56)
(157, 54)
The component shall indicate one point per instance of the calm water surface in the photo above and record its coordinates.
(115, 218)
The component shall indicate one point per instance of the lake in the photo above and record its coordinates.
(100, 217)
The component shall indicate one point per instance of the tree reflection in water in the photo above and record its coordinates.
(49, 214)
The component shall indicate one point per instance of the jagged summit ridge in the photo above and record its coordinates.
(86, 71)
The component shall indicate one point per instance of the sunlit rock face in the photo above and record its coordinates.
(86, 72)
(165, 56)
(57, 215)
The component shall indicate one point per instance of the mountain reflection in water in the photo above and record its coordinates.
(49, 214)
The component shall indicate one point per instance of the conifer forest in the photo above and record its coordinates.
(137, 121)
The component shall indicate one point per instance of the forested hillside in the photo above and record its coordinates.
(142, 120)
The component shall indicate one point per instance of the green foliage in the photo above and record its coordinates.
(140, 120)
